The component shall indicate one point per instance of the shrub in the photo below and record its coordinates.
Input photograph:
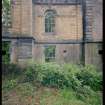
(89, 76)
(55, 80)
(30, 74)
(67, 75)
(51, 74)
(10, 84)
(5, 52)
(71, 68)
(70, 72)
(47, 74)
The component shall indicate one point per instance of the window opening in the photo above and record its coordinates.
(49, 53)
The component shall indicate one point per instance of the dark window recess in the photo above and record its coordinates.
(64, 51)
(50, 21)
(3, 52)
(49, 53)
(100, 52)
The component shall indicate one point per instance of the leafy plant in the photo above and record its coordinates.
(67, 75)
(5, 52)
(31, 72)
(89, 76)
(10, 84)
(6, 14)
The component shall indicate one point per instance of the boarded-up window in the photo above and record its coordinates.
(25, 49)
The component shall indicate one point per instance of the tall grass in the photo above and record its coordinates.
(76, 85)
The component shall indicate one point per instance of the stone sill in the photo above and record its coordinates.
(49, 33)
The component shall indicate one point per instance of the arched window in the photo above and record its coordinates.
(50, 21)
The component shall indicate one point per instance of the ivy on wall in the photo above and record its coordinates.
(5, 52)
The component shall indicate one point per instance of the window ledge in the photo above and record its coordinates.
(49, 33)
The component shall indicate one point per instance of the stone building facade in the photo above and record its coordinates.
(55, 30)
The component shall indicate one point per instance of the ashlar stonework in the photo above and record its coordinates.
(71, 31)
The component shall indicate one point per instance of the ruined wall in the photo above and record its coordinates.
(28, 20)
(64, 53)
(92, 54)
(21, 50)
(38, 53)
(68, 22)
(92, 50)
(25, 23)
(97, 20)
(68, 53)
(22, 18)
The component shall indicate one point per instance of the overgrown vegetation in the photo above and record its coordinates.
(6, 14)
(10, 84)
(5, 52)
(72, 84)
(67, 75)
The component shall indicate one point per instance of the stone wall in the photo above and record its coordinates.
(22, 18)
(25, 12)
(28, 20)
(21, 50)
(97, 20)
(64, 53)
(92, 55)
(68, 53)
(68, 22)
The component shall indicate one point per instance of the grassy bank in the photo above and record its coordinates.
(51, 84)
